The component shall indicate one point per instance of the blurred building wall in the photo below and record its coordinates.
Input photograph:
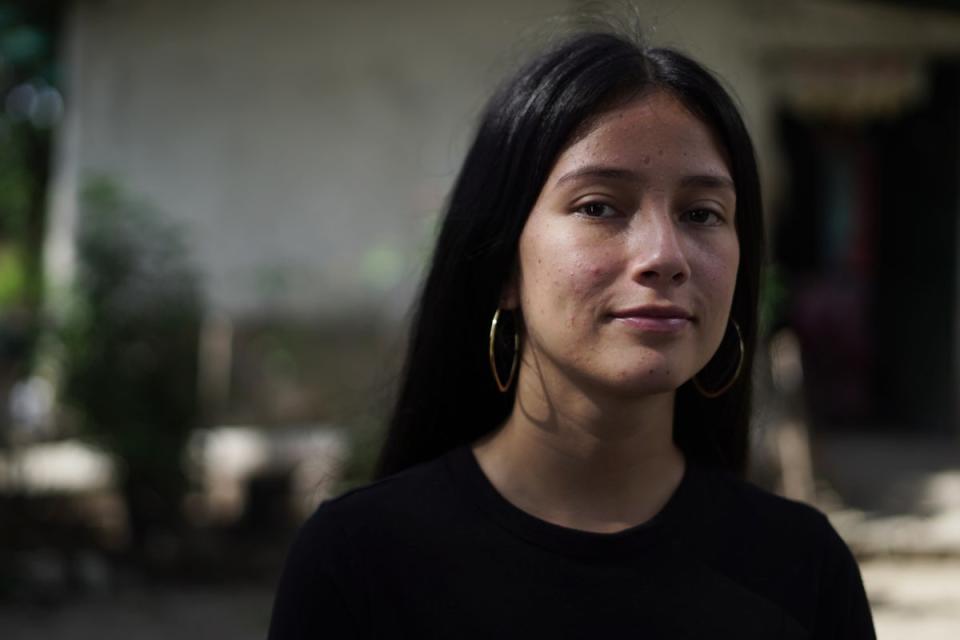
(307, 145)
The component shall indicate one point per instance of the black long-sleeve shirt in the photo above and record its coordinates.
(437, 552)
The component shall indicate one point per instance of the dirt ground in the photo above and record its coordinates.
(906, 522)
(914, 599)
(238, 613)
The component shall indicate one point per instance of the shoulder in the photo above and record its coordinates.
(756, 514)
(786, 550)
(794, 536)
(405, 508)
(426, 476)
(321, 591)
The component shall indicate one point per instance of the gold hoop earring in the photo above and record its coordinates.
(503, 386)
(716, 393)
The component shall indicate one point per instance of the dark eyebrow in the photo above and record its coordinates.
(596, 171)
(615, 173)
(711, 181)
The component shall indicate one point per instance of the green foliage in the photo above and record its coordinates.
(22, 44)
(18, 189)
(17, 184)
(13, 276)
(366, 440)
(130, 346)
(26, 60)
(773, 298)
(26, 40)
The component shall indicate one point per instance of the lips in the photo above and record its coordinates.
(654, 311)
(654, 318)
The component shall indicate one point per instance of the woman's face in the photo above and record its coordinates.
(628, 261)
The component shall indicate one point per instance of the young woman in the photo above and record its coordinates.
(564, 457)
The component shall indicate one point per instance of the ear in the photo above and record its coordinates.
(510, 294)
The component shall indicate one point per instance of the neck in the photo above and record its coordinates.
(584, 460)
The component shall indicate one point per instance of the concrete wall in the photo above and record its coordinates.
(307, 145)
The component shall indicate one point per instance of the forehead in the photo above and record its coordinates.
(653, 131)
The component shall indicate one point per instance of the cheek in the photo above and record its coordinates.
(722, 283)
(562, 292)
(732, 266)
(587, 274)
(719, 269)
(585, 278)
(723, 280)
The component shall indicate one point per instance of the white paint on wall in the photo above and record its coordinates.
(306, 146)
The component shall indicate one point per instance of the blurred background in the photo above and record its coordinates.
(214, 217)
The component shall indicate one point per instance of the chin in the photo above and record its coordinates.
(652, 372)
(647, 382)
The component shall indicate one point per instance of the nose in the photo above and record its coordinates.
(658, 253)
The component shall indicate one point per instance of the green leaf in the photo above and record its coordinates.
(13, 277)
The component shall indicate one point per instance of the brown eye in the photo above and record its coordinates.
(705, 217)
(596, 210)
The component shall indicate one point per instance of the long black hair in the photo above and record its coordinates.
(447, 396)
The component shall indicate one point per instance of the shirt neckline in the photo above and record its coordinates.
(463, 466)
